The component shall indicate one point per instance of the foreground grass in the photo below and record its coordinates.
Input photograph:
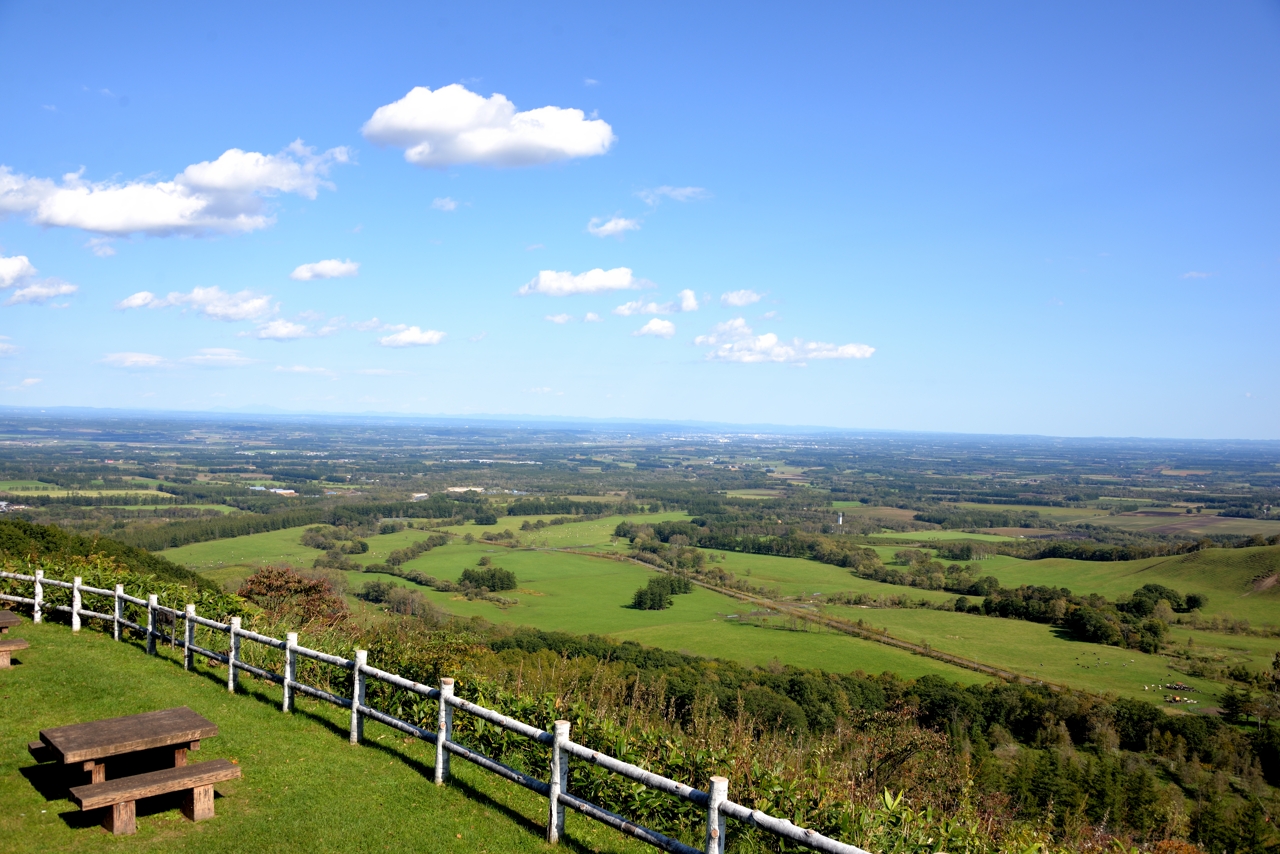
(304, 787)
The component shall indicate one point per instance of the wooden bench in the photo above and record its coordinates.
(7, 646)
(122, 794)
(8, 620)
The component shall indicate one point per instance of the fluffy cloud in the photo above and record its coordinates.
(678, 194)
(445, 204)
(133, 360)
(601, 227)
(559, 318)
(330, 269)
(453, 125)
(660, 328)
(738, 299)
(1196, 274)
(641, 307)
(41, 292)
(557, 284)
(281, 330)
(688, 300)
(591, 317)
(412, 336)
(219, 357)
(222, 196)
(212, 302)
(735, 341)
(15, 269)
(7, 349)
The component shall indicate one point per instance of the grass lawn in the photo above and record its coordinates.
(304, 787)
(796, 576)
(1035, 650)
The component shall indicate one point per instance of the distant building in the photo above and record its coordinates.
(420, 496)
(466, 489)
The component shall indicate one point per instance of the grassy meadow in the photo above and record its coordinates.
(568, 582)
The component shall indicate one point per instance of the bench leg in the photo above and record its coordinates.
(4, 659)
(197, 804)
(121, 819)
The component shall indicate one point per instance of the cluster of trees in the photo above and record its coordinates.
(957, 518)
(656, 595)
(287, 596)
(342, 541)
(703, 533)
(488, 577)
(563, 507)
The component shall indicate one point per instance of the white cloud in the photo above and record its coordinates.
(660, 328)
(330, 269)
(444, 204)
(641, 307)
(735, 341)
(558, 284)
(1195, 274)
(412, 337)
(541, 390)
(559, 318)
(453, 125)
(738, 299)
(591, 317)
(219, 357)
(281, 330)
(369, 325)
(601, 227)
(678, 194)
(41, 292)
(30, 381)
(212, 302)
(688, 300)
(100, 246)
(15, 269)
(222, 196)
(7, 349)
(133, 360)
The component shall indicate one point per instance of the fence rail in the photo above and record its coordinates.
(715, 801)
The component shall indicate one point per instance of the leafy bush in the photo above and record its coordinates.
(490, 577)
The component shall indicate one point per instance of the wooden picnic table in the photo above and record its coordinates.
(88, 744)
(8, 620)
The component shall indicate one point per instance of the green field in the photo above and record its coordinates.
(304, 787)
(1225, 576)
(562, 591)
(566, 591)
(1035, 650)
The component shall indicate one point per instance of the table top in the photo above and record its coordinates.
(114, 736)
(8, 618)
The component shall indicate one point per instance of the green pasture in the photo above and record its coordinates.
(304, 787)
(1253, 651)
(272, 547)
(1062, 515)
(1225, 576)
(1033, 649)
(796, 577)
(592, 534)
(581, 594)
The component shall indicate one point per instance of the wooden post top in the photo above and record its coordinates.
(114, 736)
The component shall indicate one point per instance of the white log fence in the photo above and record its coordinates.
(715, 801)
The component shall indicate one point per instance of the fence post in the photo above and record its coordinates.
(75, 604)
(189, 639)
(559, 782)
(357, 696)
(715, 819)
(233, 655)
(153, 601)
(444, 732)
(119, 612)
(37, 613)
(290, 670)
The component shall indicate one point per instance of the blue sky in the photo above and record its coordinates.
(988, 217)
